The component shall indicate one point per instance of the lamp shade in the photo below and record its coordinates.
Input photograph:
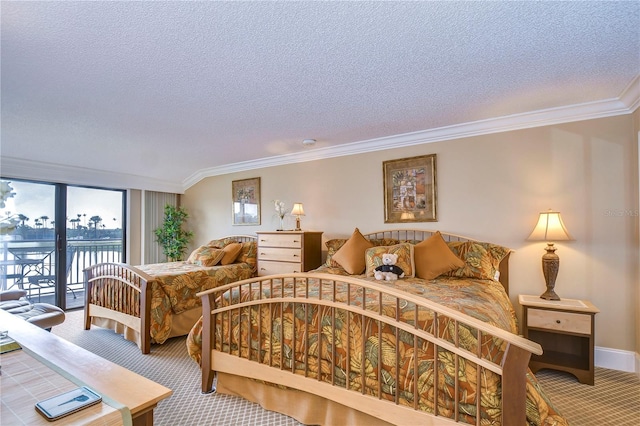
(550, 228)
(297, 210)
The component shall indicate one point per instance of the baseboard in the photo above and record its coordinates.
(616, 359)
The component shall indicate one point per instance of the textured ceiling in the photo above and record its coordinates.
(167, 90)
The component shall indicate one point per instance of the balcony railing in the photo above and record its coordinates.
(24, 261)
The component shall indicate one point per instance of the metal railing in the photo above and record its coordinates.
(22, 260)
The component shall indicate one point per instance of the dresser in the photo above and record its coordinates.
(565, 330)
(284, 252)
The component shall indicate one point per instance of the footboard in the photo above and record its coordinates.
(121, 293)
(373, 348)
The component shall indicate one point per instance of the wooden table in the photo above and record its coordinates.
(119, 387)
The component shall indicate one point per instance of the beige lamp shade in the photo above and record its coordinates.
(297, 211)
(550, 228)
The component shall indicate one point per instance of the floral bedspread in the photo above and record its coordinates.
(485, 300)
(176, 286)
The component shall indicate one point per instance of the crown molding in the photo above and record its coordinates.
(628, 101)
(631, 94)
(34, 170)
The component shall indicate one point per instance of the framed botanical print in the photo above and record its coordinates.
(410, 191)
(246, 201)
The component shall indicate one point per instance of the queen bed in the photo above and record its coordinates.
(152, 303)
(337, 346)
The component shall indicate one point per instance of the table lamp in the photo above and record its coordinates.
(297, 211)
(550, 228)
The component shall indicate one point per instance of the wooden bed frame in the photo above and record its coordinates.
(363, 408)
(132, 319)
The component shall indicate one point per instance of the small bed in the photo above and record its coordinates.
(334, 347)
(152, 303)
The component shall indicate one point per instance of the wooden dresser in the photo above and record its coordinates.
(283, 252)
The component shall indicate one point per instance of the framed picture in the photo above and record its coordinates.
(410, 189)
(246, 201)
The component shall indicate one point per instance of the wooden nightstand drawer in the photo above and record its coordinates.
(559, 321)
(280, 254)
(268, 267)
(280, 240)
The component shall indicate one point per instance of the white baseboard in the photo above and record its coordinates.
(616, 359)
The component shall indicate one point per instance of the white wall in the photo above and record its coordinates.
(490, 188)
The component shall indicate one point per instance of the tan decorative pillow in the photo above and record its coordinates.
(373, 258)
(205, 256)
(332, 247)
(231, 251)
(433, 257)
(351, 255)
(481, 260)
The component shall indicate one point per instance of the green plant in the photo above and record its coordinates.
(171, 236)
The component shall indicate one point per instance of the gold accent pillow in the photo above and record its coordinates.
(481, 260)
(433, 258)
(373, 258)
(231, 251)
(205, 256)
(332, 247)
(351, 255)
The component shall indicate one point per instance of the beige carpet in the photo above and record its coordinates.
(169, 364)
(614, 400)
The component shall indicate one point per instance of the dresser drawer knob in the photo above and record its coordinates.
(557, 321)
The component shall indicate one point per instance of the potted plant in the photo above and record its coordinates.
(171, 236)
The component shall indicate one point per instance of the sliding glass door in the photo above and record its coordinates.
(51, 232)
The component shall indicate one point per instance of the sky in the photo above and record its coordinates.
(36, 200)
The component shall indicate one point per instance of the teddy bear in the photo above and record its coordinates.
(388, 271)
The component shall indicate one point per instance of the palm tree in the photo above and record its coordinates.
(44, 220)
(95, 220)
(22, 219)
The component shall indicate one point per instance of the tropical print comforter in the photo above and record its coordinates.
(485, 300)
(176, 285)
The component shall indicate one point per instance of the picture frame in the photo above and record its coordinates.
(245, 201)
(410, 189)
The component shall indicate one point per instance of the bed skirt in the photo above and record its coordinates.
(302, 406)
(181, 324)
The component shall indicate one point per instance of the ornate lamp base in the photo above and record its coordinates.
(550, 267)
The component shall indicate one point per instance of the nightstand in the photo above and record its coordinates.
(284, 252)
(565, 330)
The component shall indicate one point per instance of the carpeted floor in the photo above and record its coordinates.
(170, 365)
(613, 400)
